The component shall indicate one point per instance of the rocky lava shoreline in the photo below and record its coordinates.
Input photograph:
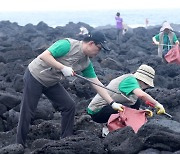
(20, 44)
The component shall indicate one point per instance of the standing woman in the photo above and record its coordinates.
(119, 27)
(165, 40)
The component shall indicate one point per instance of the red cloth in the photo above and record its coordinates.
(129, 117)
(173, 55)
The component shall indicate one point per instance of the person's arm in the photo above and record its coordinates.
(175, 40)
(104, 94)
(155, 41)
(101, 91)
(47, 57)
(91, 75)
(146, 97)
(122, 24)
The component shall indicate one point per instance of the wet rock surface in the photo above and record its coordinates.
(21, 44)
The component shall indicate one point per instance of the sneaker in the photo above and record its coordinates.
(105, 131)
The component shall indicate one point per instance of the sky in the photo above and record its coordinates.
(81, 5)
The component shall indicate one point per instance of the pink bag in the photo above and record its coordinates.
(129, 117)
(173, 55)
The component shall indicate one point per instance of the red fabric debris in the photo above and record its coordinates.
(129, 117)
(173, 55)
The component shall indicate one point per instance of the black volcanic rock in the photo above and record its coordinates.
(21, 44)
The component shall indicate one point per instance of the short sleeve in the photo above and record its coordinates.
(157, 37)
(59, 48)
(175, 38)
(89, 71)
(128, 85)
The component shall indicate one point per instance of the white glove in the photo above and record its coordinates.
(67, 71)
(157, 43)
(117, 106)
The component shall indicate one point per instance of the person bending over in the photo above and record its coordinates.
(44, 73)
(132, 86)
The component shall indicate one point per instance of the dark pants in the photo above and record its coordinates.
(136, 105)
(165, 51)
(31, 95)
(119, 36)
(103, 115)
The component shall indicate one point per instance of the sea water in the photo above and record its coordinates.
(133, 18)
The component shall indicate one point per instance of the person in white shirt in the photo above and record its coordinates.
(83, 33)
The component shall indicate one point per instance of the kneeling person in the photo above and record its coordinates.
(132, 86)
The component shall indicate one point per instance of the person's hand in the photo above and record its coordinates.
(67, 71)
(160, 108)
(157, 43)
(117, 106)
(149, 113)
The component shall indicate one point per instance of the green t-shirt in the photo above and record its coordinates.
(61, 48)
(166, 39)
(128, 85)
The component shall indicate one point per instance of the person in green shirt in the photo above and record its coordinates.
(165, 40)
(132, 86)
(44, 73)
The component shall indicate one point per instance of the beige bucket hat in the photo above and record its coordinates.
(166, 25)
(146, 74)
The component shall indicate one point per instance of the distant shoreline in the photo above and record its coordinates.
(133, 18)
